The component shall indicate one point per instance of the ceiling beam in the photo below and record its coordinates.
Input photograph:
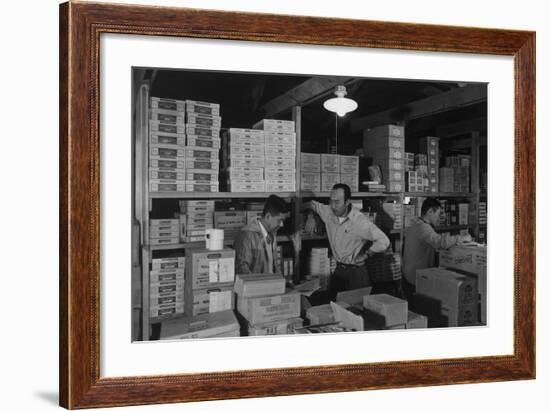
(305, 92)
(462, 127)
(450, 100)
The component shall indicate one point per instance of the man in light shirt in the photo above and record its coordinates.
(421, 241)
(348, 231)
(256, 244)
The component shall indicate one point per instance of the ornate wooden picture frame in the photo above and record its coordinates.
(81, 25)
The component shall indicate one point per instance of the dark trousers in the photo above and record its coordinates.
(348, 277)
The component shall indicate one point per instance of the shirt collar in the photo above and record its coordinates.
(262, 229)
(349, 216)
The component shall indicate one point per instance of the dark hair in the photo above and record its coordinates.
(274, 205)
(429, 203)
(345, 187)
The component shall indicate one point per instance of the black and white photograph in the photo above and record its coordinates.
(271, 204)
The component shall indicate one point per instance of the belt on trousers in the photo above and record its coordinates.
(347, 266)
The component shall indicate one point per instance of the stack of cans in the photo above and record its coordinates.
(280, 154)
(166, 145)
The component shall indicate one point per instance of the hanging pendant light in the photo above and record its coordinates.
(340, 104)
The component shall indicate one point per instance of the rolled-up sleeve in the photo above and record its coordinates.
(322, 210)
(438, 241)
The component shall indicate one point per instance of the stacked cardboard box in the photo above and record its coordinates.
(310, 172)
(386, 146)
(166, 145)
(166, 286)
(473, 261)
(421, 168)
(231, 222)
(415, 320)
(430, 147)
(215, 325)
(330, 171)
(280, 154)
(164, 231)
(415, 181)
(349, 171)
(393, 310)
(209, 280)
(409, 162)
(394, 210)
(455, 296)
(244, 160)
(319, 266)
(265, 306)
(461, 172)
(195, 217)
(202, 160)
(446, 179)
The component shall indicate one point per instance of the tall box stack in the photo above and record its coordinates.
(386, 146)
(456, 294)
(166, 145)
(421, 168)
(446, 180)
(280, 154)
(166, 284)
(209, 280)
(196, 216)
(414, 181)
(409, 161)
(244, 160)
(310, 172)
(430, 147)
(349, 172)
(319, 266)
(202, 152)
(330, 171)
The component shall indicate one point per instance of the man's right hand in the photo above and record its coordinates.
(311, 225)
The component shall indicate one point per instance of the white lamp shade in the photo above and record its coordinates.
(340, 105)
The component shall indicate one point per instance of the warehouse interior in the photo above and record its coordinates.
(452, 112)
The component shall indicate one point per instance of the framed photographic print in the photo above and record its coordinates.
(323, 190)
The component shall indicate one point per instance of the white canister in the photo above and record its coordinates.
(214, 239)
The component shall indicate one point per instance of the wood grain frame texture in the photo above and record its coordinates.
(80, 27)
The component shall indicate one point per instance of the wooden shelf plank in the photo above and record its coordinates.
(221, 195)
(360, 194)
(408, 194)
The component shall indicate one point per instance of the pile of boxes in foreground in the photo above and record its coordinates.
(319, 172)
(184, 146)
(357, 310)
(261, 159)
(209, 297)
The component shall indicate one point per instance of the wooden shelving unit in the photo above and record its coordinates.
(144, 202)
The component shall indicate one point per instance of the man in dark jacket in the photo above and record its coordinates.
(256, 244)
